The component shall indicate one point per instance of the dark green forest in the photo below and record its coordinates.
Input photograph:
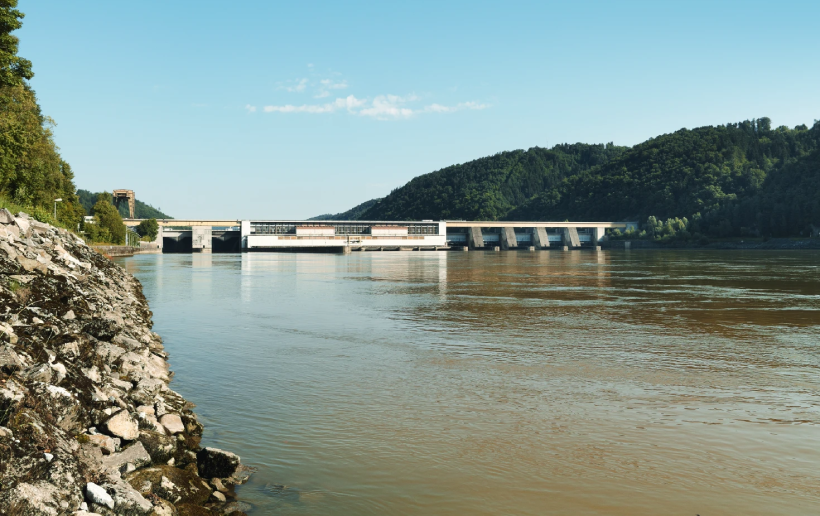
(141, 209)
(489, 188)
(738, 179)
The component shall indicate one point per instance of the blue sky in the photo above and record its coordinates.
(261, 109)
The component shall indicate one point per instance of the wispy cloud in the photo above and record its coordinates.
(294, 86)
(350, 103)
(251, 109)
(381, 107)
(325, 85)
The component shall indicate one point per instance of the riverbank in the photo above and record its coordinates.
(771, 244)
(88, 424)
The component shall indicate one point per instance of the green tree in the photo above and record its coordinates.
(106, 217)
(13, 68)
(148, 228)
(31, 171)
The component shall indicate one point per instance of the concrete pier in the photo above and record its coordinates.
(540, 239)
(508, 239)
(201, 239)
(571, 238)
(475, 237)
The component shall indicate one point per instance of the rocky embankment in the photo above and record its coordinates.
(87, 421)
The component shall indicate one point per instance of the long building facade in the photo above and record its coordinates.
(284, 235)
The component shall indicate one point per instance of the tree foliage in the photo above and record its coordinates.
(31, 171)
(738, 179)
(489, 188)
(149, 228)
(108, 225)
(141, 209)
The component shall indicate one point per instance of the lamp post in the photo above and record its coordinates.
(55, 208)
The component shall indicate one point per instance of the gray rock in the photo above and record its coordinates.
(105, 443)
(6, 217)
(127, 342)
(134, 454)
(128, 500)
(172, 423)
(122, 425)
(38, 373)
(23, 224)
(69, 316)
(36, 498)
(59, 373)
(9, 359)
(214, 462)
(98, 495)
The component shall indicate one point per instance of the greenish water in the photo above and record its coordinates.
(634, 383)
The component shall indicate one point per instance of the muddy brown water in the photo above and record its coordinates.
(611, 383)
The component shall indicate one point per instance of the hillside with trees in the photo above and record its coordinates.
(740, 179)
(32, 173)
(141, 209)
(489, 188)
(351, 214)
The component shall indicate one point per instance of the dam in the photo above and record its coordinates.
(205, 236)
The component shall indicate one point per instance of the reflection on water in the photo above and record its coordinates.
(626, 383)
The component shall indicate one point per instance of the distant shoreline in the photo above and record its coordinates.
(771, 244)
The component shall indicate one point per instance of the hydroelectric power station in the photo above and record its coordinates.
(205, 236)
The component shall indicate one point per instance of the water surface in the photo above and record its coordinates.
(414, 383)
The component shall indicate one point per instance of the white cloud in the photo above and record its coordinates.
(438, 108)
(251, 109)
(385, 107)
(333, 85)
(380, 107)
(350, 103)
(325, 85)
(294, 86)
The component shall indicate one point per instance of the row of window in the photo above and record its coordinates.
(276, 228)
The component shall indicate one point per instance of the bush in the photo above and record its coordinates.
(108, 222)
(148, 228)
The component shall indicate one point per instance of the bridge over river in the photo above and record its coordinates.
(205, 236)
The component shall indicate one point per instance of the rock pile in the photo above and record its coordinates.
(88, 424)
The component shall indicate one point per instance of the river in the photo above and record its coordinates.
(523, 383)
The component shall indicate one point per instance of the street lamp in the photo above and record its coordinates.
(55, 208)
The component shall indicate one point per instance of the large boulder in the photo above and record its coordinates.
(34, 499)
(160, 447)
(216, 463)
(135, 455)
(172, 423)
(95, 494)
(6, 217)
(170, 483)
(123, 425)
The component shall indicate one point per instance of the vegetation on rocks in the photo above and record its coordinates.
(88, 424)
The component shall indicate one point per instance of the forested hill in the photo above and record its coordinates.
(733, 179)
(736, 179)
(141, 209)
(489, 188)
(351, 214)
